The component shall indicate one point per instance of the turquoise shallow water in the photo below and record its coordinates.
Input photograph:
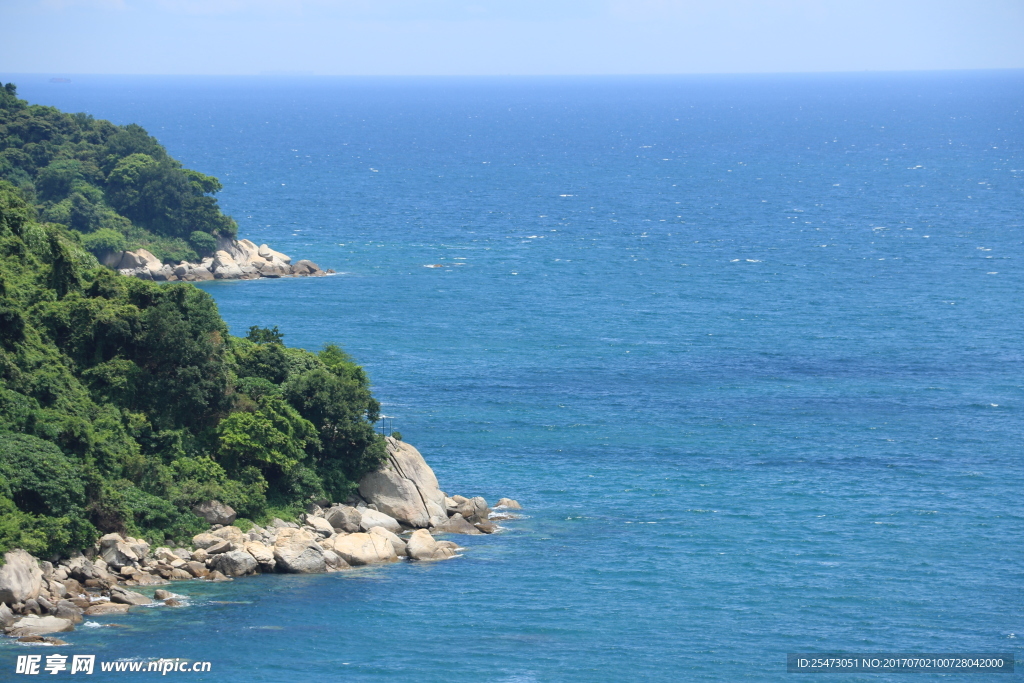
(748, 350)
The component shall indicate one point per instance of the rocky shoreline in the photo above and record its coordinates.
(233, 260)
(395, 516)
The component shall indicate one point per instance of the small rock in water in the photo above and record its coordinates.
(171, 602)
(508, 503)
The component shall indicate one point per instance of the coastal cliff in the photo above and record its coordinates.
(395, 516)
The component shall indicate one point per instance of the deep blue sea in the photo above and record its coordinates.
(748, 350)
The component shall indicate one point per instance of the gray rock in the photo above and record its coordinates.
(127, 597)
(405, 488)
(45, 606)
(65, 609)
(297, 552)
(305, 267)
(20, 577)
(215, 512)
(116, 552)
(225, 267)
(344, 518)
(320, 525)
(508, 504)
(372, 518)
(235, 563)
(6, 616)
(219, 547)
(456, 524)
(486, 527)
(199, 274)
(334, 561)
(31, 607)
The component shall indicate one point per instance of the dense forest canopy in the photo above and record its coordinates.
(115, 186)
(124, 402)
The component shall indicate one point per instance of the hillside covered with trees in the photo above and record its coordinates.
(123, 402)
(115, 186)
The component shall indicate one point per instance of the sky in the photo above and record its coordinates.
(499, 37)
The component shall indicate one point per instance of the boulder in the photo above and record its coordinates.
(361, 549)
(33, 625)
(182, 269)
(297, 552)
(219, 547)
(344, 518)
(396, 542)
(225, 267)
(422, 546)
(199, 274)
(321, 525)
(486, 527)
(20, 577)
(45, 606)
(204, 540)
(508, 504)
(268, 254)
(101, 608)
(232, 534)
(405, 488)
(6, 616)
(217, 576)
(273, 268)
(263, 555)
(196, 569)
(372, 518)
(215, 512)
(473, 509)
(65, 609)
(116, 553)
(334, 561)
(305, 267)
(127, 597)
(31, 606)
(246, 252)
(235, 563)
(138, 259)
(457, 524)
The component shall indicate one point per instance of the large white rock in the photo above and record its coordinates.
(397, 543)
(234, 563)
(359, 549)
(405, 488)
(246, 252)
(297, 552)
(117, 552)
(422, 546)
(344, 517)
(21, 578)
(215, 512)
(33, 625)
(126, 597)
(269, 254)
(140, 258)
(225, 267)
(322, 526)
(373, 518)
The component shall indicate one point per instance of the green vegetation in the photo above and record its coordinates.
(123, 402)
(115, 187)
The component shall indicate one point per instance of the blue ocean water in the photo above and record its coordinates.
(747, 349)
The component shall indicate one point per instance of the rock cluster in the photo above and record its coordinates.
(394, 517)
(233, 260)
